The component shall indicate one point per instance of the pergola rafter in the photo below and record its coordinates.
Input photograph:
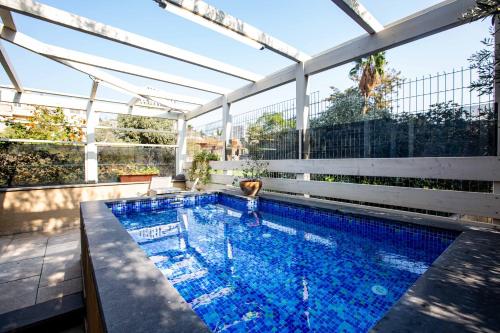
(53, 51)
(4, 58)
(123, 85)
(218, 19)
(9, 69)
(360, 14)
(86, 25)
(7, 19)
(435, 19)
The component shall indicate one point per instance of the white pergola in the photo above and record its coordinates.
(440, 17)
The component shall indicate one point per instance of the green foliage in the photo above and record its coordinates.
(146, 123)
(200, 167)
(46, 124)
(114, 161)
(268, 132)
(347, 107)
(483, 61)
(24, 164)
(255, 169)
(134, 169)
(267, 126)
(482, 10)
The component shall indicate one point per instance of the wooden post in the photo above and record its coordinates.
(227, 123)
(91, 167)
(302, 114)
(180, 154)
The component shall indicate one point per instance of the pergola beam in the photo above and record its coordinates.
(355, 10)
(32, 44)
(122, 85)
(435, 19)
(59, 17)
(78, 102)
(9, 69)
(442, 16)
(220, 19)
(7, 19)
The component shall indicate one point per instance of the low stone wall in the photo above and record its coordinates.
(49, 209)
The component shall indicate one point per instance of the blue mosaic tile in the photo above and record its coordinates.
(266, 266)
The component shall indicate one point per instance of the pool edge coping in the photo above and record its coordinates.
(108, 251)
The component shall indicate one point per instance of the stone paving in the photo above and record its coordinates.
(35, 268)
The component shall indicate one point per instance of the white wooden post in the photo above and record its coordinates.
(302, 110)
(227, 125)
(91, 168)
(496, 185)
(181, 152)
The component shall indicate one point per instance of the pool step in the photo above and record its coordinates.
(55, 315)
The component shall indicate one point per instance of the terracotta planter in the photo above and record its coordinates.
(136, 178)
(251, 187)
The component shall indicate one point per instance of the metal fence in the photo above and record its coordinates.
(436, 115)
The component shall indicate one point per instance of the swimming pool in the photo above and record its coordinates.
(268, 266)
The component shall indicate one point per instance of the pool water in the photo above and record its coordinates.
(268, 266)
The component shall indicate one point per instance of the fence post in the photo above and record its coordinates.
(91, 168)
(496, 185)
(393, 130)
(302, 116)
(180, 153)
(366, 139)
(411, 137)
(227, 123)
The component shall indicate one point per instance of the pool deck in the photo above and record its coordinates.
(460, 292)
(40, 282)
(36, 267)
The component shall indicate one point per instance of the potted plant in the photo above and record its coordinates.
(252, 177)
(136, 173)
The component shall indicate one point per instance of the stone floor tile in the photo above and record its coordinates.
(18, 294)
(60, 268)
(64, 248)
(65, 237)
(22, 249)
(4, 242)
(20, 269)
(31, 236)
(59, 290)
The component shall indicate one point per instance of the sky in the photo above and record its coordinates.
(311, 26)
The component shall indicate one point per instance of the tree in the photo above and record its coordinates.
(145, 123)
(271, 136)
(369, 72)
(46, 124)
(266, 126)
(482, 60)
(482, 10)
(37, 164)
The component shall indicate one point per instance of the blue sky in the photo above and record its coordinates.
(311, 26)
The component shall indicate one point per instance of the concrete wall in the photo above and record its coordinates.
(49, 209)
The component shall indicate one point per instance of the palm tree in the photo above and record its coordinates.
(369, 72)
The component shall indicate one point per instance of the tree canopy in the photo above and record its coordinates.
(155, 125)
(46, 124)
